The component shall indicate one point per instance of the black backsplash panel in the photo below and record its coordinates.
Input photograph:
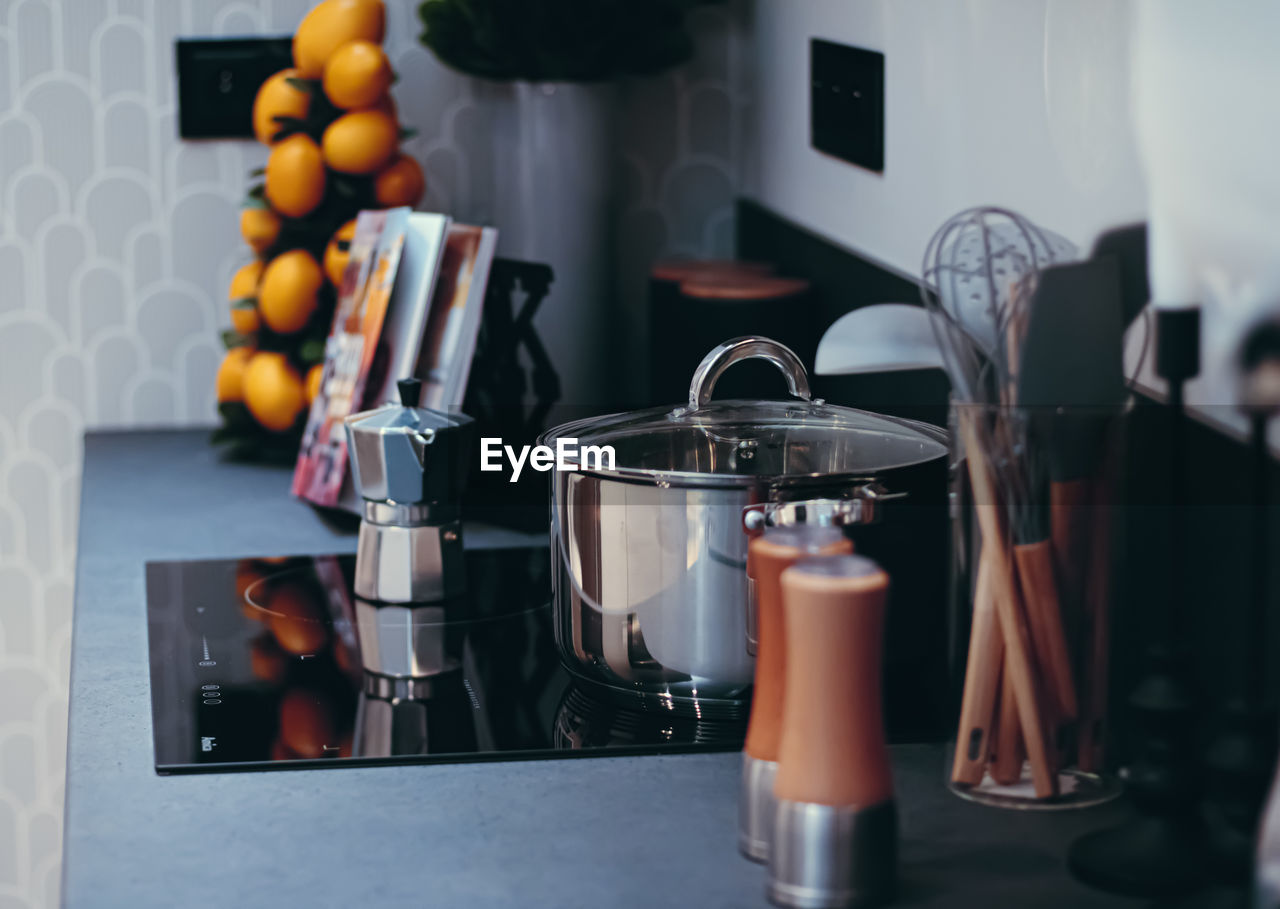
(842, 282)
(1219, 517)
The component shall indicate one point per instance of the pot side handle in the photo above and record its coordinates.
(860, 505)
(747, 347)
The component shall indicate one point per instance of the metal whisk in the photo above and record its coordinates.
(979, 275)
(978, 279)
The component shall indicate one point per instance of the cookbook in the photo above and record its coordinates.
(423, 267)
(358, 354)
(410, 304)
(449, 342)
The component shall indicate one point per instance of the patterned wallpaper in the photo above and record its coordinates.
(117, 243)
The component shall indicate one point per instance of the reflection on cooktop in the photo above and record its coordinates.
(266, 663)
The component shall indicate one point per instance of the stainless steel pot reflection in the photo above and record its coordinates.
(586, 720)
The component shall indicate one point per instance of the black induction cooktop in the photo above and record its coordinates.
(263, 663)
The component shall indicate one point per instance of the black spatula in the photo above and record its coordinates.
(1128, 247)
(1072, 369)
(1071, 380)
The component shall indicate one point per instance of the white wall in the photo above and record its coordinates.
(1027, 104)
(117, 242)
(1021, 103)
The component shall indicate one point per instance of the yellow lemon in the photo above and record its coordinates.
(297, 617)
(357, 75)
(314, 375)
(295, 176)
(244, 319)
(399, 183)
(360, 142)
(247, 572)
(306, 723)
(277, 98)
(260, 227)
(332, 24)
(230, 379)
(273, 391)
(244, 284)
(335, 257)
(266, 660)
(287, 297)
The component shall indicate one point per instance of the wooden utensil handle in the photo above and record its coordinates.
(1044, 616)
(981, 682)
(1008, 753)
(1012, 619)
(1069, 513)
(1068, 524)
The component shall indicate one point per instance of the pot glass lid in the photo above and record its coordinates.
(741, 442)
(754, 439)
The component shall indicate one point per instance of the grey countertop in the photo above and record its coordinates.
(619, 832)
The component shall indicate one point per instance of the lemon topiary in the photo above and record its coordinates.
(331, 127)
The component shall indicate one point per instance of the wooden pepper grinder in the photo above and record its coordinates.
(768, 555)
(835, 836)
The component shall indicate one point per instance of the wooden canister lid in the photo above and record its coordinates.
(681, 270)
(742, 287)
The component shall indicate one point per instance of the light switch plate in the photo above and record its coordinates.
(218, 78)
(846, 108)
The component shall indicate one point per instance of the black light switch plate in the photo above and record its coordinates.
(218, 79)
(846, 108)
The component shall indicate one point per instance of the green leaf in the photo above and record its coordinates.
(310, 86)
(407, 133)
(287, 127)
(243, 449)
(311, 352)
(245, 303)
(257, 191)
(257, 172)
(232, 339)
(236, 418)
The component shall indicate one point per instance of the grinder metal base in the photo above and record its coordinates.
(756, 806)
(828, 857)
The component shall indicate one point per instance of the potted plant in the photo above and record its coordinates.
(557, 40)
(547, 71)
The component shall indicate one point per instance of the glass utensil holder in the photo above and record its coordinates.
(1033, 504)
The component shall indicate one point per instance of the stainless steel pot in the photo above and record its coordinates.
(649, 555)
